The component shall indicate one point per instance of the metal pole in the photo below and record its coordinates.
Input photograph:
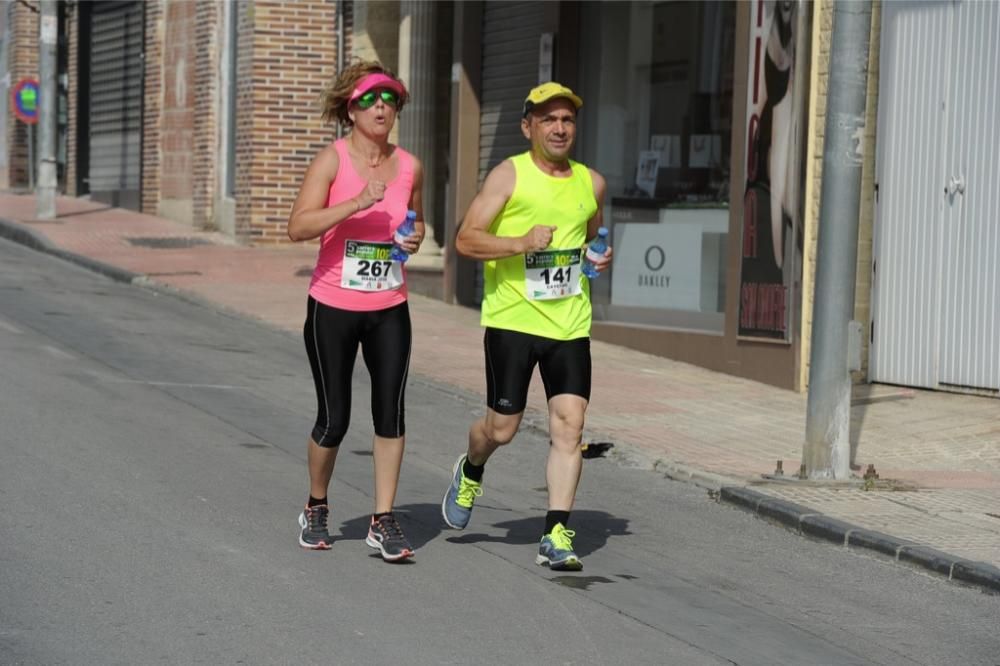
(826, 454)
(31, 157)
(48, 100)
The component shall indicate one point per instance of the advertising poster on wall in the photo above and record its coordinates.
(771, 266)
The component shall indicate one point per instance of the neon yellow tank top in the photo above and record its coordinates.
(544, 293)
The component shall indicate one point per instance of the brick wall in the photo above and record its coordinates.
(72, 100)
(23, 62)
(208, 22)
(244, 119)
(820, 67)
(287, 52)
(5, 110)
(152, 104)
(177, 113)
(181, 89)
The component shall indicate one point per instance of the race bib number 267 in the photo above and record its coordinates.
(367, 267)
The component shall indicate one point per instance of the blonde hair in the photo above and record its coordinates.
(335, 98)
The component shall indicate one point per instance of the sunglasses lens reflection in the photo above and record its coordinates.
(368, 100)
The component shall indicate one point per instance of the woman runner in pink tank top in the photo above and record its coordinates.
(355, 194)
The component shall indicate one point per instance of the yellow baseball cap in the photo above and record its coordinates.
(546, 91)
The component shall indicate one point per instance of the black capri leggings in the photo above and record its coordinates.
(332, 336)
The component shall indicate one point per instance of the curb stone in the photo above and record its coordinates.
(699, 477)
(21, 234)
(18, 233)
(809, 522)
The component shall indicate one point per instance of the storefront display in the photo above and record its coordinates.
(657, 125)
(771, 265)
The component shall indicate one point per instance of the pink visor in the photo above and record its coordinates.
(377, 81)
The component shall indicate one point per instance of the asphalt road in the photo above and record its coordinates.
(152, 466)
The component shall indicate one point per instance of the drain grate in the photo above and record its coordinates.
(167, 243)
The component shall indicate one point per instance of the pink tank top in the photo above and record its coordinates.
(375, 224)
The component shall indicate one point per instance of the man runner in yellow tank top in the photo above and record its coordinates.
(529, 224)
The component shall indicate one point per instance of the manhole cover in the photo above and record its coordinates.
(168, 243)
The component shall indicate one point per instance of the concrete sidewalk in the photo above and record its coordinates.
(937, 454)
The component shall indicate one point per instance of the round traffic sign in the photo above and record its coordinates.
(25, 96)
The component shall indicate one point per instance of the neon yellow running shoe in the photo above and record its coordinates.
(456, 507)
(556, 550)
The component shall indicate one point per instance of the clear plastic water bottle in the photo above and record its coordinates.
(402, 232)
(595, 251)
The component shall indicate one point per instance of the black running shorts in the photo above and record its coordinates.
(332, 337)
(511, 358)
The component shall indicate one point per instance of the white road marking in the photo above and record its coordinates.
(148, 382)
(58, 353)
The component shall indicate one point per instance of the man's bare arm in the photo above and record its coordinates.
(597, 221)
(474, 238)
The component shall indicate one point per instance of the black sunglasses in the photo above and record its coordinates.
(368, 100)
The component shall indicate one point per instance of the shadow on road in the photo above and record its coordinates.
(593, 530)
(420, 522)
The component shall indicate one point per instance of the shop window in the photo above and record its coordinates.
(657, 84)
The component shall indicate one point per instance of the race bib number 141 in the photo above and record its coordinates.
(552, 274)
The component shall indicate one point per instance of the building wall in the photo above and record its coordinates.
(5, 84)
(206, 90)
(866, 231)
(244, 118)
(376, 34)
(820, 73)
(72, 100)
(22, 57)
(152, 105)
(188, 113)
(290, 52)
(177, 114)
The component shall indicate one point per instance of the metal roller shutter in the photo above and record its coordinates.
(512, 32)
(116, 71)
(511, 35)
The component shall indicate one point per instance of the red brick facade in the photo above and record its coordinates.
(244, 118)
(180, 140)
(153, 93)
(177, 114)
(23, 63)
(288, 50)
(206, 91)
(72, 106)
